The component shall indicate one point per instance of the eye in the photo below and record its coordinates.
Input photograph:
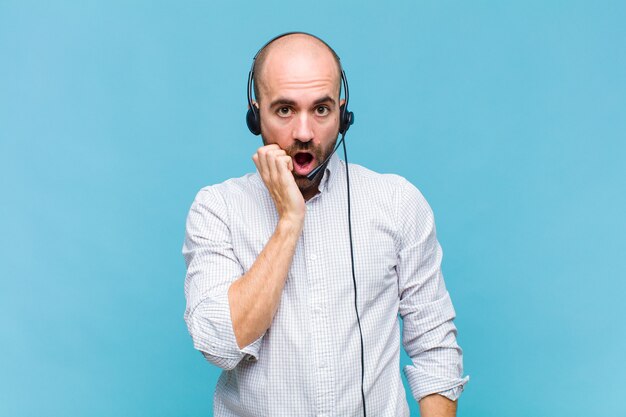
(283, 111)
(322, 110)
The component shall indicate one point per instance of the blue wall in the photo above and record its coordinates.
(509, 116)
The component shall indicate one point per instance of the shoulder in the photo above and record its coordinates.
(393, 201)
(244, 187)
(393, 197)
(393, 187)
(361, 173)
(222, 199)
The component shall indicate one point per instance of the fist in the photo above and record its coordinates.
(275, 168)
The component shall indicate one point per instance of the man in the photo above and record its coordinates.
(270, 296)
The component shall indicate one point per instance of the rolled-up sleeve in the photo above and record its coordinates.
(211, 267)
(429, 334)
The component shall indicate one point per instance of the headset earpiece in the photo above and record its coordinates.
(346, 119)
(253, 121)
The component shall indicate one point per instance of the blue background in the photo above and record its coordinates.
(509, 116)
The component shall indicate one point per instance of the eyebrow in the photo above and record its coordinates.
(325, 99)
(287, 102)
(282, 101)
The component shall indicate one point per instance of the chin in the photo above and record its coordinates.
(302, 182)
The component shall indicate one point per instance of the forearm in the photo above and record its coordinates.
(435, 405)
(254, 297)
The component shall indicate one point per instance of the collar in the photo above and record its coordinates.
(330, 174)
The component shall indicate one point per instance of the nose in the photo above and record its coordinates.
(303, 129)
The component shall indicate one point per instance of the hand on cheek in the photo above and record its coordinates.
(275, 168)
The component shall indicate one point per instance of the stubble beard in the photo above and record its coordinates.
(303, 183)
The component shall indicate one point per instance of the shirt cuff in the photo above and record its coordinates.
(454, 393)
(211, 329)
(423, 384)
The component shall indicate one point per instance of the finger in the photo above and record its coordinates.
(265, 151)
(261, 163)
(266, 163)
(286, 164)
(272, 165)
(285, 168)
(271, 146)
(255, 159)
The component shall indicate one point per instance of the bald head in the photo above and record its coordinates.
(291, 53)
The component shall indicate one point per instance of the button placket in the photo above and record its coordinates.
(315, 298)
(318, 300)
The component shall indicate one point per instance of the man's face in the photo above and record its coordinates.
(299, 109)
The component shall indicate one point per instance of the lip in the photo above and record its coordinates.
(303, 169)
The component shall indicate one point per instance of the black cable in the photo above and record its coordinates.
(356, 308)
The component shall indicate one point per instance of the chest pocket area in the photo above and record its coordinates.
(376, 270)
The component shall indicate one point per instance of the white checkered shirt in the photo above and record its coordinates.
(308, 362)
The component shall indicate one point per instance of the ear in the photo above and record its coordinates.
(255, 104)
(342, 102)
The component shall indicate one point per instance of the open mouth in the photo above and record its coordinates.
(303, 163)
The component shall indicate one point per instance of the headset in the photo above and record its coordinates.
(346, 119)
(253, 119)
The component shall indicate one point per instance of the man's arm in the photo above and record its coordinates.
(254, 297)
(213, 312)
(435, 405)
(429, 334)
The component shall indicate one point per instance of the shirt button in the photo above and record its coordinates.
(318, 310)
(312, 256)
(324, 364)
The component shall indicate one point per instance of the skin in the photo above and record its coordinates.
(299, 107)
(436, 405)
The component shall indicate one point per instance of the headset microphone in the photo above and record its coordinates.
(311, 175)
